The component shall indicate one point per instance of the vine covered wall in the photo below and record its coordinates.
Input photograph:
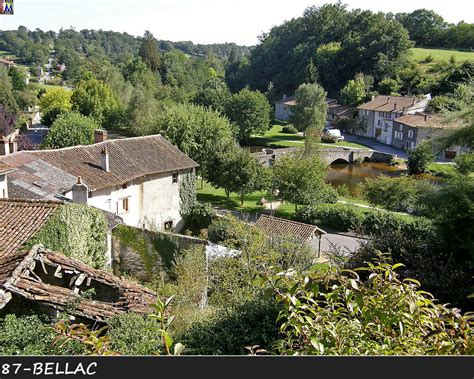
(78, 231)
(187, 193)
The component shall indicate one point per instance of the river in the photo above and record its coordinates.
(353, 174)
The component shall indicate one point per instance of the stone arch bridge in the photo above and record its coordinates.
(330, 155)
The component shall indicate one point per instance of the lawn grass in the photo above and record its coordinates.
(439, 55)
(276, 138)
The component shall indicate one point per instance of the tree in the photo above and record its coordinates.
(465, 163)
(250, 111)
(149, 52)
(53, 103)
(96, 99)
(18, 79)
(388, 87)
(424, 26)
(310, 111)
(300, 179)
(70, 129)
(214, 95)
(7, 100)
(236, 170)
(419, 158)
(353, 93)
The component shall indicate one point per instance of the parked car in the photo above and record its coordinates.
(335, 133)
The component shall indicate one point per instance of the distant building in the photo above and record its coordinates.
(411, 129)
(336, 112)
(284, 105)
(8, 142)
(378, 114)
(6, 63)
(138, 179)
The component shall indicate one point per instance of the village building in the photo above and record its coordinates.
(276, 227)
(335, 111)
(8, 141)
(4, 170)
(46, 281)
(378, 115)
(412, 129)
(6, 63)
(138, 179)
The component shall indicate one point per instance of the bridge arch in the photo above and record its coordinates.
(339, 161)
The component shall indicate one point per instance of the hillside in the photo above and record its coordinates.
(439, 55)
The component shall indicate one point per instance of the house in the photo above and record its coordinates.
(49, 281)
(411, 129)
(282, 108)
(6, 63)
(8, 137)
(280, 228)
(284, 105)
(138, 179)
(4, 170)
(336, 112)
(378, 114)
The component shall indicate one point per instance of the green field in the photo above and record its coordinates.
(438, 55)
(276, 138)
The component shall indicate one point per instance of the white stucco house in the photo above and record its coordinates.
(138, 179)
(4, 171)
(378, 115)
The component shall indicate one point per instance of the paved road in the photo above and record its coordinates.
(376, 145)
(332, 240)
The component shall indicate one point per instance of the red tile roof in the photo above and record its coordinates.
(130, 158)
(21, 219)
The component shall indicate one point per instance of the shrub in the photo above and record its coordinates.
(31, 335)
(337, 216)
(200, 216)
(134, 334)
(419, 158)
(338, 313)
(219, 230)
(228, 332)
(328, 139)
(396, 194)
(465, 163)
(289, 129)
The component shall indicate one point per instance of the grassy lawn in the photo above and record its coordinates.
(442, 170)
(441, 55)
(276, 138)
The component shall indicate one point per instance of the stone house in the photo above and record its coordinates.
(411, 129)
(138, 179)
(335, 111)
(378, 115)
(283, 108)
(4, 170)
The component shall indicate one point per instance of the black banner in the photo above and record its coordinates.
(243, 367)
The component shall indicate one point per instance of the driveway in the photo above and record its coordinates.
(334, 240)
(376, 145)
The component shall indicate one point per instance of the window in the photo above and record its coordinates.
(410, 134)
(379, 122)
(123, 205)
(401, 128)
(175, 178)
(168, 225)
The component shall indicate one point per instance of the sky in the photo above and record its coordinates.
(200, 21)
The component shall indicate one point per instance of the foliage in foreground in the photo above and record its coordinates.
(366, 311)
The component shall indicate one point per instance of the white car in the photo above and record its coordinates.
(336, 133)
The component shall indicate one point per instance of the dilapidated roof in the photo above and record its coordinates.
(280, 227)
(4, 168)
(21, 219)
(53, 280)
(46, 173)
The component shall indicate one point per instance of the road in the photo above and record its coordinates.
(376, 145)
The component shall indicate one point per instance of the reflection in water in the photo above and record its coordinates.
(353, 174)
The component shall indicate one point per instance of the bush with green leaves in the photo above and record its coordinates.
(31, 335)
(289, 129)
(419, 158)
(230, 331)
(395, 194)
(134, 334)
(465, 163)
(200, 217)
(338, 216)
(366, 311)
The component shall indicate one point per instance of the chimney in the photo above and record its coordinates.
(395, 106)
(100, 135)
(80, 192)
(104, 160)
(426, 117)
(373, 97)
